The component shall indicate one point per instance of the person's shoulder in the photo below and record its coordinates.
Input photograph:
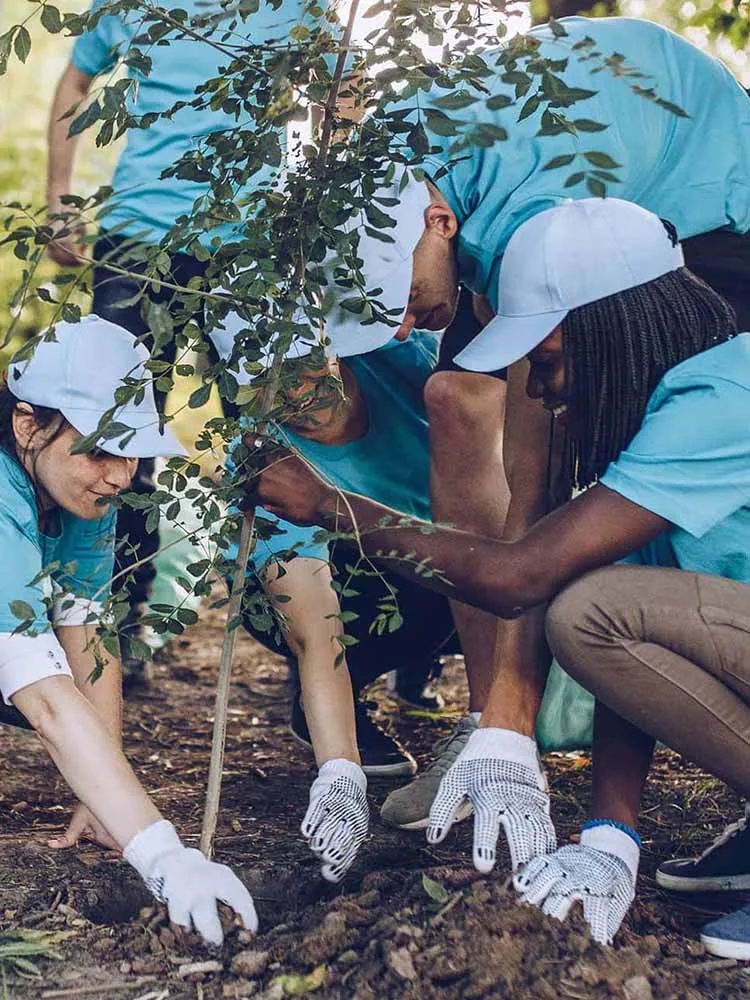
(721, 373)
(726, 362)
(17, 501)
(609, 31)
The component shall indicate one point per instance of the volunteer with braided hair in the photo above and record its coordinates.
(691, 169)
(645, 360)
(57, 531)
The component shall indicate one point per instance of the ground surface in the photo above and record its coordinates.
(379, 935)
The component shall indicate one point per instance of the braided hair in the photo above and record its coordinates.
(616, 351)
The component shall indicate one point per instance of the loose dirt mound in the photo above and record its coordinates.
(386, 933)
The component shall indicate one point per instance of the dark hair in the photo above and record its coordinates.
(616, 351)
(44, 416)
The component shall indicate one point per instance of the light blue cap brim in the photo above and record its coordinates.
(147, 442)
(507, 339)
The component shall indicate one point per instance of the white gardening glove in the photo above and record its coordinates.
(600, 872)
(337, 818)
(188, 882)
(499, 773)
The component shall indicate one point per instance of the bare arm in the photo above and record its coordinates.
(504, 578)
(312, 632)
(87, 756)
(71, 90)
(104, 693)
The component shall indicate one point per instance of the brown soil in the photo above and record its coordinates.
(380, 934)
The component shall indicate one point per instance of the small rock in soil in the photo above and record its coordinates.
(402, 964)
(637, 988)
(239, 990)
(348, 958)
(250, 963)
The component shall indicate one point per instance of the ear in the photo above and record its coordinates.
(440, 219)
(24, 425)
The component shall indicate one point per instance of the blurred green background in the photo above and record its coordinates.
(26, 93)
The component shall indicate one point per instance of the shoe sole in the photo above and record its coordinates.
(711, 883)
(463, 812)
(404, 769)
(739, 950)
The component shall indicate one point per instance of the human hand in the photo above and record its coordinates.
(288, 487)
(66, 247)
(188, 882)
(600, 872)
(337, 817)
(498, 772)
(83, 826)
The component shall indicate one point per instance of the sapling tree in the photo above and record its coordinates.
(282, 210)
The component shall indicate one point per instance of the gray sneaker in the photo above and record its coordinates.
(409, 807)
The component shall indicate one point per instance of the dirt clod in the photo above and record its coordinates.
(348, 941)
(250, 964)
(402, 963)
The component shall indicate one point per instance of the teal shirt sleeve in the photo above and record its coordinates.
(97, 50)
(85, 552)
(22, 563)
(690, 461)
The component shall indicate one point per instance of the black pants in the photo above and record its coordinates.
(427, 630)
(110, 291)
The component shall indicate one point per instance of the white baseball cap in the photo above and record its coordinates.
(563, 258)
(78, 373)
(386, 266)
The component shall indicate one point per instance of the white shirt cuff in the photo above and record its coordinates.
(26, 659)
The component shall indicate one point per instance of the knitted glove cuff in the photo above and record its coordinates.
(340, 767)
(145, 847)
(612, 840)
(505, 743)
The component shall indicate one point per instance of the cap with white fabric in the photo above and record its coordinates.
(563, 258)
(78, 374)
(386, 266)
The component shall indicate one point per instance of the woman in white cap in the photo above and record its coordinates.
(655, 380)
(56, 529)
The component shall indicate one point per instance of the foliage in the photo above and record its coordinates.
(274, 227)
(19, 948)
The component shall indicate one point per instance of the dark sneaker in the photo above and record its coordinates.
(729, 936)
(414, 692)
(409, 807)
(723, 866)
(381, 756)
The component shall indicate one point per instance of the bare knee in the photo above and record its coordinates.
(462, 405)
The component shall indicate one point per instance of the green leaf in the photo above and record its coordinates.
(602, 160)
(587, 125)
(417, 140)
(200, 396)
(597, 188)
(498, 101)
(22, 43)
(22, 610)
(529, 107)
(51, 19)
(455, 101)
(575, 179)
(559, 161)
(435, 890)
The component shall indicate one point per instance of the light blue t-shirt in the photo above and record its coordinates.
(391, 462)
(78, 561)
(693, 171)
(143, 203)
(690, 463)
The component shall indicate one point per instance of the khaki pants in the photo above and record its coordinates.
(669, 651)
